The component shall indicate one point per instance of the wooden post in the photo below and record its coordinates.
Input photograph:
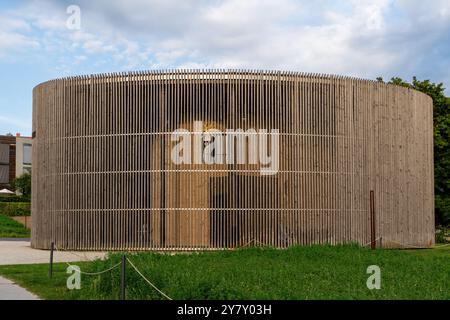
(50, 267)
(123, 277)
(372, 221)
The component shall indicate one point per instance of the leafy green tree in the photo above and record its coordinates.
(441, 123)
(23, 184)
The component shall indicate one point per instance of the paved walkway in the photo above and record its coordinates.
(11, 291)
(20, 252)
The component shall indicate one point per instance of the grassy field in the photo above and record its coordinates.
(10, 228)
(316, 272)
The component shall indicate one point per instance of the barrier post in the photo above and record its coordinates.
(122, 277)
(372, 220)
(50, 267)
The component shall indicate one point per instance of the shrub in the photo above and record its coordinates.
(442, 234)
(14, 199)
(15, 208)
(23, 184)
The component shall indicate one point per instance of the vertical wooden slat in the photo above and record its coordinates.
(103, 177)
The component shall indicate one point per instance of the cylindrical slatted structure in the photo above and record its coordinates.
(107, 174)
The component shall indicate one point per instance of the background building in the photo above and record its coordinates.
(23, 155)
(7, 160)
(103, 176)
(15, 158)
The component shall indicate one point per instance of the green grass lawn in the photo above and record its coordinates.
(315, 272)
(10, 228)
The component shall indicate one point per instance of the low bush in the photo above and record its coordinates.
(12, 209)
(442, 235)
(14, 199)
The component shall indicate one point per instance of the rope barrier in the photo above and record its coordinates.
(407, 245)
(83, 272)
(248, 243)
(371, 242)
(411, 246)
(96, 273)
(148, 281)
(262, 243)
(255, 241)
(442, 245)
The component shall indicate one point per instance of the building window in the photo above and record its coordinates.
(4, 153)
(27, 154)
(4, 173)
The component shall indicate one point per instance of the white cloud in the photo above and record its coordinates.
(11, 42)
(358, 37)
(353, 37)
(14, 37)
(255, 34)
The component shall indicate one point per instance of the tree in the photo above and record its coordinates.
(441, 124)
(23, 184)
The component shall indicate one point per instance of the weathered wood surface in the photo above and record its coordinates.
(103, 178)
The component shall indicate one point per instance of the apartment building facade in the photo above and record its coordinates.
(15, 158)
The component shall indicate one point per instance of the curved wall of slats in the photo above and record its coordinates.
(103, 178)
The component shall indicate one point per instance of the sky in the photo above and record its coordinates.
(45, 39)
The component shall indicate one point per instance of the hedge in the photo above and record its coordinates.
(15, 208)
(14, 199)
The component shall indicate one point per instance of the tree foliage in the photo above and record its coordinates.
(441, 123)
(23, 184)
